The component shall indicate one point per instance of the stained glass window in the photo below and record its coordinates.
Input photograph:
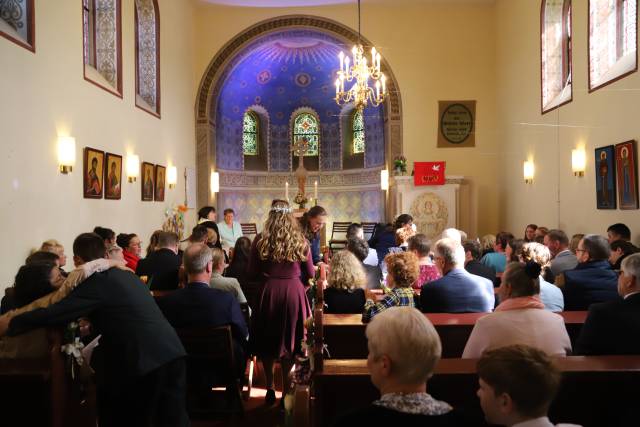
(305, 126)
(556, 53)
(148, 56)
(357, 126)
(250, 134)
(612, 40)
(17, 22)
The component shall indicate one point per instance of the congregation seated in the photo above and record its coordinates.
(620, 249)
(457, 291)
(161, 266)
(613, 327)
(513, 250)
(153, 242)
(517, 385)
(239, 264)
(403, 271)
(563, 259)
(550, 294)
(520, 317)
(419, 244)
(592, 280)
(618, 231)
(355, 230)
(53, 246)
(472, 254)
(226, 284)
(487, 243)
(347, 278)
(360, 249)
(107, 234)
(230, 230)
(540, 233)
(198, 305)
(114, 252)
(530, 233)
(131, 249)
(384, 236)
(573, 243)
(452, 233)
(497, 259)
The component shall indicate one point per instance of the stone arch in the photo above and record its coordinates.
(220, 65)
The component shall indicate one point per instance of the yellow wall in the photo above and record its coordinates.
(607, 116)
(44, 95)
(437, 51)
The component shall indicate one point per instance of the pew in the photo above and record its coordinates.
(344, 334)
(595, 391)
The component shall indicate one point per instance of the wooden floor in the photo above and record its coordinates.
(256, 414)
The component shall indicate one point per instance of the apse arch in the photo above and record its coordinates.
(223, 63)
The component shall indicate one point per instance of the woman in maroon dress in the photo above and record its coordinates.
(280, 254)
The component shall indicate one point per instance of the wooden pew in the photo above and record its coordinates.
(345, 337)
(595, 391)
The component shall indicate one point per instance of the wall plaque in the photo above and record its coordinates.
(456, 124)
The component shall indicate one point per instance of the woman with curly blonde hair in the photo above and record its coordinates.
(345, 293)
(280, 255)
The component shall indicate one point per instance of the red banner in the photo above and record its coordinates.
(428, 173)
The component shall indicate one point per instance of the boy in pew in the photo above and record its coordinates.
(517, 385)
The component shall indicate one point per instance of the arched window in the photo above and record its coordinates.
(250, 134)
(555, 36)
(102, 41)
(612, 40)
(17, 23)
(147, 25)
(305, 126)
(357, 127)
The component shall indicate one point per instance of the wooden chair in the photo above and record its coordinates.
(339, 228)
(249, 228)
(210, 351)
(368, 228)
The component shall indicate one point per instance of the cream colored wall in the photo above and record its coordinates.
(44, 95)
(437, 51)
(607, 116)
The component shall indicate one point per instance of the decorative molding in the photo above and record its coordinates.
(244, 179)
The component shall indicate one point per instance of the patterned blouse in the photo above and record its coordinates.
(428, 273)
(413, 403)
(394, 297)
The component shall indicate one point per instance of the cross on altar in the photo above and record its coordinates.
(300, 147)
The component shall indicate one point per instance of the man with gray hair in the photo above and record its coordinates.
(593, 280)
(562, 258)
(457, 291)
(614, 327)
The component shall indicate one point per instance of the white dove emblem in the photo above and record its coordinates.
(436, 167)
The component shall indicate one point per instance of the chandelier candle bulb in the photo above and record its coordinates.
(378, 62)
(383, 78)
(286, 191)
(346, 65)
(315, 190)
(373, 55)
(377, 89)
(341, 60)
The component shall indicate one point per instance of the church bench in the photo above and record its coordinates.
(595, 390)
(344, 334)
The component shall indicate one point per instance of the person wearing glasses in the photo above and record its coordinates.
(593, 280)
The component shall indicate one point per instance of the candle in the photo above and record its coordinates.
(337, 87)
(342, 82)
(341, 60)
(315, 190)
(378, 62)
(377, 89)
(286, 191)
(346, 66)
(384, 86)
(373, 56)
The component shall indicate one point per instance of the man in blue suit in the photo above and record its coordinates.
(457, 291)
(198, 305)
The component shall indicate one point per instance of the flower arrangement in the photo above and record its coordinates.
(400, 165)
(174, 220)
(301, 200)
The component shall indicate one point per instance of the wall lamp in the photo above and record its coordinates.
(133, 167)
(528, 171)
(578, 161)
(66, 153)
(172, 177)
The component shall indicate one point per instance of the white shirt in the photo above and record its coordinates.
(229, 235)
(372, 258)
(542, 422)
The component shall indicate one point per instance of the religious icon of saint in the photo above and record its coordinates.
(94, 187)
(160, 186)
(604, 179)
(113, 183)
(626, 176)
(148, 184)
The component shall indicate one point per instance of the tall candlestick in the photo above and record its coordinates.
(315, 190)
(286, 191)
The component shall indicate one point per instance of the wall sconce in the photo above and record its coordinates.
(215, 182)
(172, 177)
(384, 179)
(528, 172)
(578, 161)
(66, 153)
(133, 167)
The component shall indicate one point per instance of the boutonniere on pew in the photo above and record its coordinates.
(72, 347)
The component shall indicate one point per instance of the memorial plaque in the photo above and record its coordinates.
(456, 124)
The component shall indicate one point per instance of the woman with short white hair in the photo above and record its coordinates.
(404, 349)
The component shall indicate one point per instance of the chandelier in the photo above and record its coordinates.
(359, 70)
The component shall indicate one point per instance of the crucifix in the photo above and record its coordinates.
(299, 149)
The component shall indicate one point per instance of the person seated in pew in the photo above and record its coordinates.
(620, 249)
(114, 252)
(355, 230)
(457, 291)
(593, 280)
(226, 284)
(53, 246)
(402, 271)
(517, 385)
(497, 259)
(161, 266)
(520, 318)
(344, 293)
(420, 245)
(562, 258)
(131, 248)
(550, 294)
(618, 231)
(360, 248)
(107, 234)
(472, 254)
(614, 327)
(239, 264)
(404, 349)
(198, 305)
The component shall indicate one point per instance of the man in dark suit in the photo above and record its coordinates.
(457, 291)
(162, 266)
(472, 255)
(613, 327)
(360, 249)
(199, 305)
(139, 362)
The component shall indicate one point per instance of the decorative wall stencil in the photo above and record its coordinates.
(18, 15)
(147, 55)
(430, 214)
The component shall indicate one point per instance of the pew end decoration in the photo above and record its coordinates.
(174, 220)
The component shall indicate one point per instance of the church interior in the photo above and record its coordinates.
(134, 114)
